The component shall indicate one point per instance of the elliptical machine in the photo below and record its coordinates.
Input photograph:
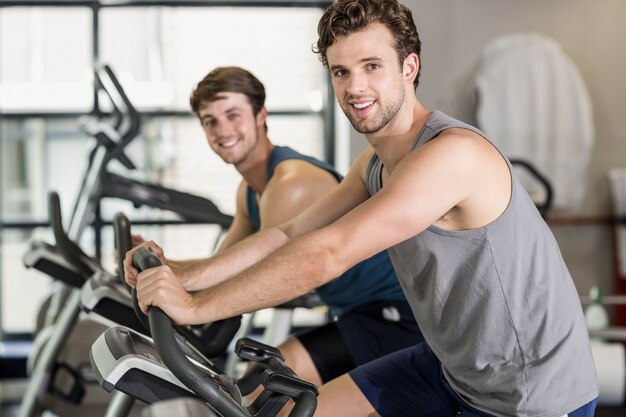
(61, 377)
(72, 272)
(110, 141)
(170, 368)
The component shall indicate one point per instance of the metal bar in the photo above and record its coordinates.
(606, 300)
(611, 333)
(95, 53)
(222, 3)
(31, 406)
(182, 3)
(144, 113)
(42, 115)
(120, 405)
(97, 232)
(147, 222)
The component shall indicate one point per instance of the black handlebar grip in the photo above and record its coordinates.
(144, 258)
(121, 231)
(215, 338)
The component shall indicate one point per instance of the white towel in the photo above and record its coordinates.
(532, 102)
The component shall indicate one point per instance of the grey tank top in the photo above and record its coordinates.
(497, 306)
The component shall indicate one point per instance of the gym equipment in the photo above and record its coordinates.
(529, 172)
(110, 141)
(183, 407)
(111, 298)
(53, 261)
(61, 376)
(276, 330)
(210, 339)
(99, 183)
(128, 362)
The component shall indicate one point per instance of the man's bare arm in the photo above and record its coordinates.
(256, 247)
(449, 173)
(241, 227)
(206, 273)
(295, 186)
(237, 259)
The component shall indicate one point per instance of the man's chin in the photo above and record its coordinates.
(361, 125)
(230, 159)
(364, 129)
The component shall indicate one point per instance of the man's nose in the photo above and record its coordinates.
(224, 129)
(357, 83)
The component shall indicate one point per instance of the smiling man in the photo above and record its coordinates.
(504, 329)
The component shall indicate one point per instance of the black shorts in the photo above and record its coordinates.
(410, 383)
(360, 336)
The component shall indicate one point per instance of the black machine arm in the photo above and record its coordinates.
(68, 248)
(277, 377)
(121, 232)
(545, 205)
(109, 83)
(114, 139)
(212, 339)
(188, 206)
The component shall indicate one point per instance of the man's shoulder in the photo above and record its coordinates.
(362, 161)
(365, 157)
(295, 186)
(299, 170)
(459, 141)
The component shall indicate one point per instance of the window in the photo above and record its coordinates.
(45, 59)
(159, 54)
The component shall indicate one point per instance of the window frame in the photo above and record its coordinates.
(327, 113)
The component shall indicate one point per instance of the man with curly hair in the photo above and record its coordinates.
(504, 329)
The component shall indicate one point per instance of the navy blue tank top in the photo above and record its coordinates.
(371, 280)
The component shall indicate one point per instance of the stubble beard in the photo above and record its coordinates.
(378, 121)
(236, 159)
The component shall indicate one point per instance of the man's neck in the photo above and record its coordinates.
(392, 143)
(254, 169)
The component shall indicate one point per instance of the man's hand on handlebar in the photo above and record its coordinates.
(160, 287)
(130, 272)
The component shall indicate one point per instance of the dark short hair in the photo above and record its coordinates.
(228, 79)
(344, 17)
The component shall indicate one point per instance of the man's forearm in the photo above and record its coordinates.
(181, 264)
(290, 271)
(211, 271)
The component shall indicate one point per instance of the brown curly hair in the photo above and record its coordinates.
(345, 17)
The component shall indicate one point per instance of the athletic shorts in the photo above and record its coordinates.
(361, 335)
(410, 383)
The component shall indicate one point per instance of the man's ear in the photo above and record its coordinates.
(411, 67)
(261, 117)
